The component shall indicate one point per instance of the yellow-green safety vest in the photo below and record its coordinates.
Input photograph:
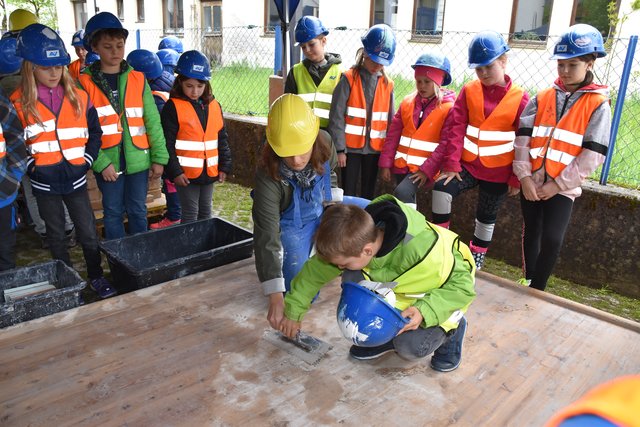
(318, 97)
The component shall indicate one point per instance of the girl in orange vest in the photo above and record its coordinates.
(409, 151)
(361, 108)
(563, 138)
(62, 134)
(479, 141)
(199, 152)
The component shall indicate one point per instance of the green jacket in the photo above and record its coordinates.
(136, 160)
(433, 269)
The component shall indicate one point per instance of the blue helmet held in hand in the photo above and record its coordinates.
(379, 43)
(9, 62)
(41, 45)
(435, 60)
(146, 62)
(308, 28)
(171, 42)
(579, 40)
(194, 65)
(486, 47)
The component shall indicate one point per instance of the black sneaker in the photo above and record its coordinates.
(368, 353)
(449, 355)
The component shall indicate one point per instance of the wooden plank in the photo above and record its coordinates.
(185, 352)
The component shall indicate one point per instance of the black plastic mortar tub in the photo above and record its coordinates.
(158, 256)
(68, 285)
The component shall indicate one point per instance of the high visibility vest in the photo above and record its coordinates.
(197, 148)
(163, 95)
(417, 145)
(110, 121)
(75, 68)
(318, 97)
(491, 138)
(55, 138)
(3, 144)
(553, 146)
(617, 401)
(356, 114)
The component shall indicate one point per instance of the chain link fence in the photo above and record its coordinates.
(243, 59)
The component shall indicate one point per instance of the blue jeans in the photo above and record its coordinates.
(127, 194)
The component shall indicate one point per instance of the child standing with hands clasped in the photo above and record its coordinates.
(409, 150)
(361, 106)
(196, 137)
(62, 134)
(563, 138)
(479, 142)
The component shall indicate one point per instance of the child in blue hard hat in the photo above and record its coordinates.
(479, 141)
(171, 42)
(388, 241)
(361, 110)
(315, 78)
(76, 67)
(562, 139)
(409, 150)
(9, 65)
(168, 59)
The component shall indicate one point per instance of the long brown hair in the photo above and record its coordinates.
(359, 65)
(270, 161)
(29, 87)
(177, 92)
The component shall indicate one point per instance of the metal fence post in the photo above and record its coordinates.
(617, 114)
(277, 57)
(138, 39)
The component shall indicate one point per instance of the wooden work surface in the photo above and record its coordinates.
(191, 353)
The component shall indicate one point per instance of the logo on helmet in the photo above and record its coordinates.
(53, 53)
(561, 48)
(198, 68)
(384, 55)
(583, 41)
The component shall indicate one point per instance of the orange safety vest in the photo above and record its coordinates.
(195, 146)
(617, 401)
(491, 138)
(55, 138)
(356, 114)
(554, 144)
(163, 95)
(3, 144)
(110, 121)
(75, 68)
(417, 145)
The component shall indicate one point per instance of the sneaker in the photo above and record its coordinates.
(368, 353)
(165, 222)
(524, 282)
(102, 287)
(449, 355)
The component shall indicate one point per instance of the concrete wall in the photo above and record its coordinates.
(601, 246)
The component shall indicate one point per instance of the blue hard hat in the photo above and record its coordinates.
(435, 60)
(9, 61)
(41, 45)
(146, 62)
(168, 57)
(308, 28)
(171, 42)
(365, 318)
(194, 65)
(76, 40)
(580, 39)
(379, 43)
(101, 21)
(91, 58)
(486, 47)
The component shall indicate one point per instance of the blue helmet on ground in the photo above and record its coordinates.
(194, 65)
(168, 57)
(486, 47)
(76, 40)
(308, 28)
(435, 60)
(379, 43)
(91, 58)
(41, 45)
(101, 21)
(580, 39)
(146, 62)
(365, 318)
(171, 42)
(9, 62)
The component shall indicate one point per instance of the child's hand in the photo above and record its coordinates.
(513, 191)
(342, 160)
(276, 309)
(548, 190)
(419, 178)
(155, 171)
(109, 173)
(289, 327)
(448, 176)
(222, 177)
(529, 190)
(415, 319)
(385, 174)
(181, 180)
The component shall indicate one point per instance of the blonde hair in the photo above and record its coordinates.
(360, 56)
(344, 231)
(29, 97)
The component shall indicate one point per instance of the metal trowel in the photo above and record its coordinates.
(305, 347)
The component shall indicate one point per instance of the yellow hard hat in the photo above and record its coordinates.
(292, 127)
(21, 18)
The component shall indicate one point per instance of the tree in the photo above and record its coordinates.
(45, 10)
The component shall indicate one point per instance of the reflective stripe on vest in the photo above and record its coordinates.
(110, 122)
(491, 138)
(417, 145)
(161, 94)
(3, 145)
(319, 97)
(55, 138)
(197, 148)
(555, 146)
(356, 113)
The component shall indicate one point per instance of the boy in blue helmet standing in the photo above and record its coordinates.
(563, 138)
(76, 67)
(316, 77)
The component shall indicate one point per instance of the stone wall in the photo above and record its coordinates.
(601, 246)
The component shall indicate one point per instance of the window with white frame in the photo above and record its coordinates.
(80, 13)
(428, 17)
(271, 17)
(530, 20)
(120, 9)
(173, 11)
(212, 17)
(384, 12)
